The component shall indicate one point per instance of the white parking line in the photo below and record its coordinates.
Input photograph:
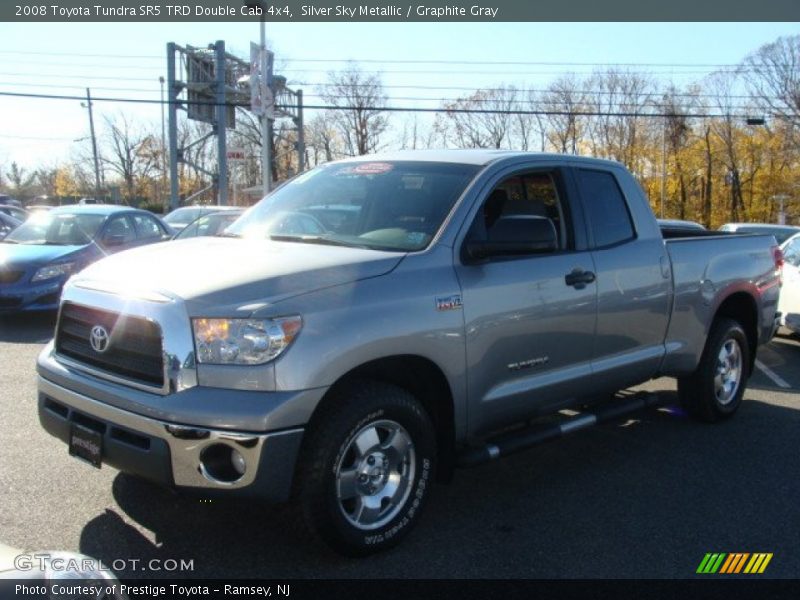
(776, 379)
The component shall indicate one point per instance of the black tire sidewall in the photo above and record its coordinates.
(331, 524)
(727, 330)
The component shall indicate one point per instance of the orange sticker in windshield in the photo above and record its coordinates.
(371, 168)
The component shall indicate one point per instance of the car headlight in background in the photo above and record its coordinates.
(53, 271)
(243, 341)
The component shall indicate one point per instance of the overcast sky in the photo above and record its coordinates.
(126, 60)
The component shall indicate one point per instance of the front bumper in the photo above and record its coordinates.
(23, 297)
(170, 454)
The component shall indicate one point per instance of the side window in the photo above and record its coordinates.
(533, 194)
(118, 231)
(606, 208)
(147, 227)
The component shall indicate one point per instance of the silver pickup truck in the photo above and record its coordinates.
(375, 322)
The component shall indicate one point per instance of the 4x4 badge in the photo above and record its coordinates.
(449, 302)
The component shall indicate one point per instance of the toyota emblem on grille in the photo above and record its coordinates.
(98, 338)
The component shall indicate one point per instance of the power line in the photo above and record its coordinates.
(82, 87)
(585, 113)
(413, 87)
(441, 100)
(570, 72)
(59, 76)
(35, 138)
(88, 55)
(525, 90)
(665, 65)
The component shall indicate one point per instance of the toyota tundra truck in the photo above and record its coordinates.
(376, 322)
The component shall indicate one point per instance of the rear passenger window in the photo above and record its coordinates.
(147, 227)
(606, 208)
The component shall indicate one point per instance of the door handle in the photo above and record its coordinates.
(579, 278)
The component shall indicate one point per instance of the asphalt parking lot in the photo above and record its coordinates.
(645, 497)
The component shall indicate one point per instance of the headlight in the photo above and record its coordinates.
(243, 341)
(53, 271)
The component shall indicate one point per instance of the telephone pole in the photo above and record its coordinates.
(88, 105)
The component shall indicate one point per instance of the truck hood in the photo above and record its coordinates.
(224, 274)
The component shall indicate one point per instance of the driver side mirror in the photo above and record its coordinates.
(515, 235)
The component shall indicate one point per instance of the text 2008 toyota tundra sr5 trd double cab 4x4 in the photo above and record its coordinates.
(379, 320)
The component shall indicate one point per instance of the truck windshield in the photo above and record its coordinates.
(387, 205)
(61, 229)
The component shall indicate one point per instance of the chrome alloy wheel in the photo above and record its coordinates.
(375, 474)
(728, 375)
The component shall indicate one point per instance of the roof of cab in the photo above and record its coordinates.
(475, 156)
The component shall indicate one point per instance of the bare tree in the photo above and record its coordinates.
(323, 142)
(618, 132)
(677, 135)
(563, 101)
(483, 119)
(772, 74)
(357, 99)
(21, 182)
(727, 129)
(528, 129)
(129, 152)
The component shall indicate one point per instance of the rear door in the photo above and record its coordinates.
(148, 229)
(118, 234)
(633, 281)
(529, 333)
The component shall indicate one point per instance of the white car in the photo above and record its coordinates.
(789, 303)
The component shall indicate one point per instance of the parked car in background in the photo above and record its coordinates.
(20, 214)
(210, 224)
(789, 304)
(41, 254)
(7, 200)
(781, 232)
(680, 224)
(7, 224)
(181, 217)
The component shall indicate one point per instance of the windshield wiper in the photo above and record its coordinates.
(314, 239)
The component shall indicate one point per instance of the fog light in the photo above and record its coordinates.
(237, 460)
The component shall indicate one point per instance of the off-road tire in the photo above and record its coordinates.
(330, 446)
(701, 394)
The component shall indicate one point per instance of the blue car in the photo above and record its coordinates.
(41, 254)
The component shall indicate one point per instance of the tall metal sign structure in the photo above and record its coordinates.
(208, 84)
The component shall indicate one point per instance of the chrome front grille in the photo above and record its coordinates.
(134, 348)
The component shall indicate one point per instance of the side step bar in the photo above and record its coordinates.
(519, 440)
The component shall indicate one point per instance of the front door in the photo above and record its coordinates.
(530, 320)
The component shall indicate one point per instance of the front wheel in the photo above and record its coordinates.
(366, 467)
(714, 391)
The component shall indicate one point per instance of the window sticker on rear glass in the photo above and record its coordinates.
(369, 168)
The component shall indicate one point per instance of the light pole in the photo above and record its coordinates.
(781, 212)
(266, 142)
(88, 105)
(163, 143)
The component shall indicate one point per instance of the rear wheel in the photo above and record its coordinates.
(714, 391)
(366, 467)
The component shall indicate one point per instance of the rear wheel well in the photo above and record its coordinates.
(426, 382)
(741, 307)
